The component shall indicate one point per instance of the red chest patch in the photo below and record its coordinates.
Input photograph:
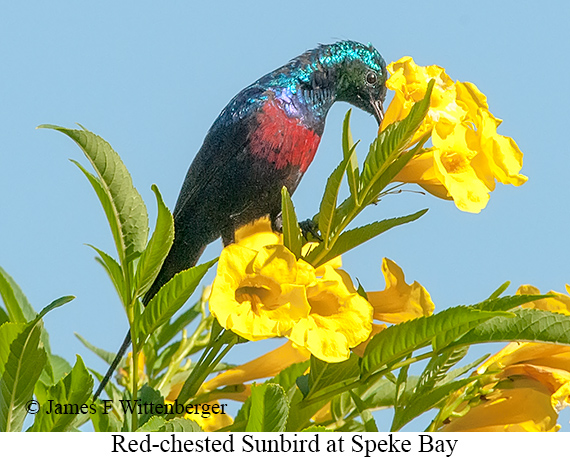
(283, 140)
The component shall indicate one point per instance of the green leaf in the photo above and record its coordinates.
(152, 425)
(500, 290)
(317, 429)
(287, 378)
(269, 409)
(149, 395)
(71, 392)
(157, 249)
(392, 141)
(55, 304)
(426, 402)
(170, 298)
(21, 372)
(180, 425)
(437, 368)
(105, 355)
(329, 200)
(348, 151)
(170, 330)
(351, 238)
(8, 333)
(123, 205)
(400, 340)
(507, 303)
(372, 193)
(3, 316)
(61, 367)
(291, 230)
(367, 419)
(17, 305)
(527, 325)
(323, 375)
(454, 374)
(114, 271)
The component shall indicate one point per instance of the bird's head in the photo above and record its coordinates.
(360, 77)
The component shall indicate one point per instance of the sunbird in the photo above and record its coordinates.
(264, 139)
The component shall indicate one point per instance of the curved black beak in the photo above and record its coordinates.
(378, 110)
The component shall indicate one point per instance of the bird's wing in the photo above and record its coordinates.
(228, 138)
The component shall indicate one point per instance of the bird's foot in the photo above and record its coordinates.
(310, 227)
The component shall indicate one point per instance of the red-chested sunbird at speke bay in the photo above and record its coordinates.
(264, 139)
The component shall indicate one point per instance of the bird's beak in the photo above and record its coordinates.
(378, 110)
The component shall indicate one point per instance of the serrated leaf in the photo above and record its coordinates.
(180, 425)
(437, 368)
(351, 238)
(152, 425)
(453, 374)
(400, 340)
(170, 298)
(17, 305)
(269, 409)
(114, 271)
(507, 303)
(392, 141)
(8, 333)
(291, 230)
(348, 151)
(426, 402)
(157, 249)
(71, 392)
(123, 205)
(527, 325)
(317, 429)
(105, 355)
(23, 367)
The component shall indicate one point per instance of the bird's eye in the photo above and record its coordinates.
(371, 78)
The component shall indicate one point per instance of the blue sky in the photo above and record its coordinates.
(150, 78)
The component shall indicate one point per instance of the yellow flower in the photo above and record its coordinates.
(521, 405)
(260, 294)
(125, 374)
(257, 234)
(399, 301)
(560, 303)
(529, 383)
(265, 366)
(468, 155)
(263, 291)
(339, 318)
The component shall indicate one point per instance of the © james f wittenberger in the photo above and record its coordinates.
(204, 410)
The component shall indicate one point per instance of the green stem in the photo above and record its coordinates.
(135, 376)
(183, 352)
(204, 367)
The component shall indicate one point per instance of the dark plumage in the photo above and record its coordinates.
(265, 138)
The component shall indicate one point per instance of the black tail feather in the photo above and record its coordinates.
(113, 367)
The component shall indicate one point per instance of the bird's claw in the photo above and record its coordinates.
(310, 227)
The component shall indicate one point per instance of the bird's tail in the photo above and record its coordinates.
(180, 257)
(120, 353)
